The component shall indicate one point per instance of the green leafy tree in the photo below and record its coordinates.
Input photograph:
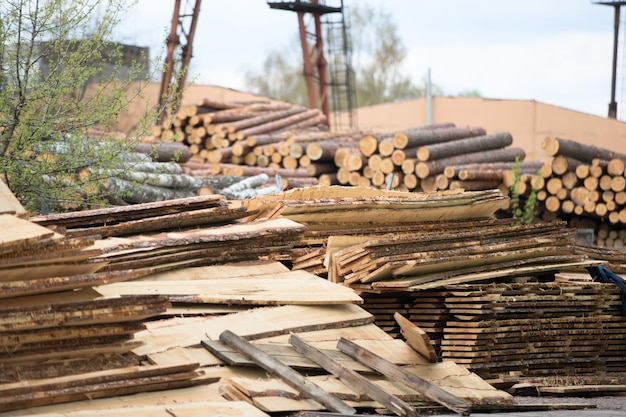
(377, 58)
(60, 77)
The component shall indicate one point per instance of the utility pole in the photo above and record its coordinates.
(616, 20)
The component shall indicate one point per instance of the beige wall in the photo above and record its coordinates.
(528, 121)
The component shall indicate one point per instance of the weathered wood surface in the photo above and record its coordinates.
(252, 324)
(430, 391)
(94, 385)
(297, 287)
(288, 375)
(353, 379)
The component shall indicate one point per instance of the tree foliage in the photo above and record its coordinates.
(378, 55)
(54, 88)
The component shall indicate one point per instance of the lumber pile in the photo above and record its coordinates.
(309, 331)
(374, 238)
(53, 326)
(159, 236)
(64, 341)
(417, 267)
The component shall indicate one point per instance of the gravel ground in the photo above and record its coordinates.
(605, 406)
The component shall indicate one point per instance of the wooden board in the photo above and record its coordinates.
(17, 231)
(93, 385)
(9, 204)
(253, 324)
(292, 287)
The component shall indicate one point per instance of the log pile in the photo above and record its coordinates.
(586, 185)
(227, 132)
(430, 158)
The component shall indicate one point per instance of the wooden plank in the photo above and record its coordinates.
(185, 219)
(9, 204)
(57, 269)
(416, 338)
(238, 269)
(214, 408)
(287, 374)
(430, 391)
(16, 231)
(353, 379)
(96, 384)
(63, 283)
(292, 287)
(252, 324)
(182, 356)
(130, 212)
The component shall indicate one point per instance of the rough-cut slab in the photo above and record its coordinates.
(352, 378)
(127, 213)
(429, 390)
(416, 338)
(17, 231)
(252, 324)
(93, 385)
(293, 287)
(291, 377)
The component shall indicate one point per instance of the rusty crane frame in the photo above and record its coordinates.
(178, 56)
(315, 65)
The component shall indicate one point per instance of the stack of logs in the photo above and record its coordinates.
(291, 143)
(250, 138)
(437, 157)
(586, 185)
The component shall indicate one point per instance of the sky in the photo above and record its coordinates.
(553, 51)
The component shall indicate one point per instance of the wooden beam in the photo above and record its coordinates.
(286, 373)
(430, 391)
(352, 379)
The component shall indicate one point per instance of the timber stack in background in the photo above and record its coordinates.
(248, 148)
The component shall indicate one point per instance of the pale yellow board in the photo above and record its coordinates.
(460, 382)
(259, 322)
(364, 332)
(15, 231)
(290, 287)
(399, 216)
(100, 407)
(9, 203)
(192, 409)
(185, 356)
(239, 269)
(395, 351)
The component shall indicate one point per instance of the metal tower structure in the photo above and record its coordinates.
(616, 23)
(319, 73)
(179, 53)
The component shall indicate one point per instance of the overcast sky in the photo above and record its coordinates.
(553, 51)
